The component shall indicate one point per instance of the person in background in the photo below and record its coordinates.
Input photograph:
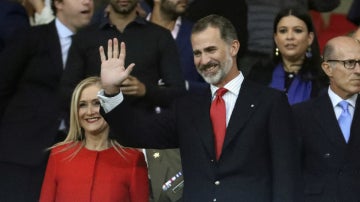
(295, 65)
(329, 126)
(261, 15)
(232, 148)
(88, 165)
(12, 19)
(30, 112)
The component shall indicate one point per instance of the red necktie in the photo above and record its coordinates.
(218, 119)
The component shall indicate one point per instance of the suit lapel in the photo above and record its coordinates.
(201, 118)
(55, 48)
(325, 114)
(244, 107)
(355, 125)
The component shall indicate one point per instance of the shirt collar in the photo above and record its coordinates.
(233, 86)
(335, 99)
(62, 30)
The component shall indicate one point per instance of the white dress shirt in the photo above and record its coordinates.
(65, 39)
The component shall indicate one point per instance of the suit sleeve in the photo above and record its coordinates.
(139, 188)
(48, 190)
(124, 121)
(284, 154)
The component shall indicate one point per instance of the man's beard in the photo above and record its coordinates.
(123, 10)
(222, 71)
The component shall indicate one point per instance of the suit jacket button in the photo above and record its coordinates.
(217, 182)
(214, 199)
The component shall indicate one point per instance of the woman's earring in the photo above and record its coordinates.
(308, 53)
(276, 51)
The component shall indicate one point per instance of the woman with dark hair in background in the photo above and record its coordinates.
(295, 64)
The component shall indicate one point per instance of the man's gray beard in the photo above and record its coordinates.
(220, 74)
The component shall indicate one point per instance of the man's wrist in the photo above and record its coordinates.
(111, 92)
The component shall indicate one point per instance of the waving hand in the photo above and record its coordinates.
(113, 72)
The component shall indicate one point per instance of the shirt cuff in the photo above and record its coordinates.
(109, 103)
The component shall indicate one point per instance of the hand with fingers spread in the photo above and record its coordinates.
(113, 73)
(132, 86)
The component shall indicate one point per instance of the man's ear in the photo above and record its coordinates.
(58, 4)
(327, 69)
(235, 47)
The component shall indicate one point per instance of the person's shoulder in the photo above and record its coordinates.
(260, 88)
(185, 22)
(88, 29)
(154, 28)
(64, 148)
(131, 155)
(39, 31)
(308, 105)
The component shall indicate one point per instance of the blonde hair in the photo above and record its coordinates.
(76, 134)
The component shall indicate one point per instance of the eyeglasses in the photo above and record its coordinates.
(348, 64)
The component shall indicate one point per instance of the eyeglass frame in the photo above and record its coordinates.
(345, 62)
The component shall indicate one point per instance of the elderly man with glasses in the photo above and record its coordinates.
(329, 128)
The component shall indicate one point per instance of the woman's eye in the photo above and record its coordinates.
(298, 30)
(282, 31)
(81, 105)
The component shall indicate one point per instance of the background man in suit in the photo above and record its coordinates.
(330, 154)
(30, 115)
(257, 161)
(12, 18)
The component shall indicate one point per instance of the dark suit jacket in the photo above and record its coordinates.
(258, 161)
(13, 17)
(30, 72)
(331, 168)
(164, 168)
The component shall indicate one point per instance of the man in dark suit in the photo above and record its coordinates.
(257, 161)
(30, 115)
(330, 156)
(13, 17)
